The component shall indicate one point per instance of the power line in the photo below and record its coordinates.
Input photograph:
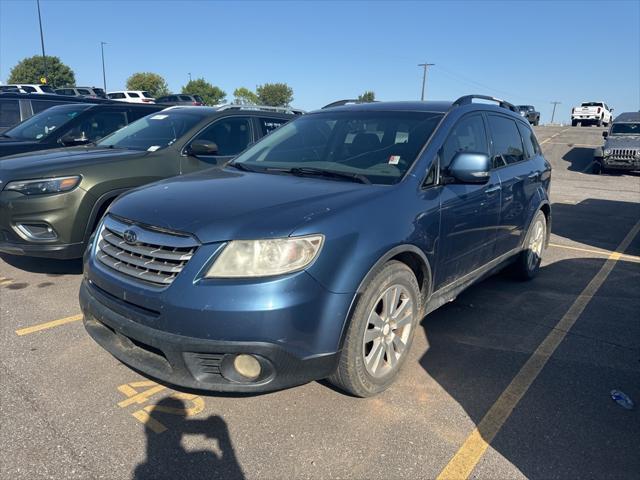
(424, 76)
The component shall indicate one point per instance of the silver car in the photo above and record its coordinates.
(621, 149)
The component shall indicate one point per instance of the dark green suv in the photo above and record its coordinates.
(50, 202)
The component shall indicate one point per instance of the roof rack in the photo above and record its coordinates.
(265, 108)
(467, 99)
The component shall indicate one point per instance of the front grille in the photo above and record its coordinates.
(624, 153)
(154, 257)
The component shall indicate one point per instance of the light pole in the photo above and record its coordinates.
(553, 114)
(104, 75)
(424, 76)
(189, 77)
(44, 58)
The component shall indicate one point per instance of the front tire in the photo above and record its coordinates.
(381, 331)
(527, 265)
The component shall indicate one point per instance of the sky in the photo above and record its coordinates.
(525, 52)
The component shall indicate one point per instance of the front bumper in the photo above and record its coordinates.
(621, 163)
(188, 334)
(60, 212)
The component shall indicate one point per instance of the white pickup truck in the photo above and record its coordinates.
(594, 113)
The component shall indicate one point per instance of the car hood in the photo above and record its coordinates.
(623, 141)
(26, 165)
(224, 204)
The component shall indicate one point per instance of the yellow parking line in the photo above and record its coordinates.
(553, 136)
(44, 326)
(606, 253)
(472, 450)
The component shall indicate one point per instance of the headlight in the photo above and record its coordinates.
(607, 151)
(44, 185)
(262, 258)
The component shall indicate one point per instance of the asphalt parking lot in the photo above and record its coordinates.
(511, 380)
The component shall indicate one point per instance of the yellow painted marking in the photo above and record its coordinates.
(472, 450)
(149, 422)
(141, 397)
(45, 326)
(622, 256)
(198, 406)
(5, 282)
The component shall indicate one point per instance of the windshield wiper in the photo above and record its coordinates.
(241, 166)
(319, 172)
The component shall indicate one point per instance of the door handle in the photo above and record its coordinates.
(494, 189)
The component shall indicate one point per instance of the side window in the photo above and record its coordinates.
(99, 125)
(232, 135)
(133, 94)
(83, 91)
(268, 125)
(507, 144)
(116, 95)
(28, 89)
(527, 140)
(9, 113)
(468, 135)
(185, 98)
(40, 105)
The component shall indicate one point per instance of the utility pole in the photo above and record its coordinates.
(104, 75)
(44, 58)
(553, 114)
(424, 76)
(189, 76)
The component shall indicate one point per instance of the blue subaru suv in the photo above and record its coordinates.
(317, 251)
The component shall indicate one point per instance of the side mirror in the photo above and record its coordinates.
(605, 134)
(202, 147)
(70, 140)
(467, 167)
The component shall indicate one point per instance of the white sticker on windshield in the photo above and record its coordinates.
(159, 117)
(394, 159)
(153, 148)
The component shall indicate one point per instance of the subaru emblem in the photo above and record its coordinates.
(130, 237)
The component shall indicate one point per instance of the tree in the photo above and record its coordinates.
(148, 82)
(367, 97)
(211, 94)
(243, 95)
(31, 70)
(275, 94)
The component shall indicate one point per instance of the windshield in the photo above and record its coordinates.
(44, 123)
(152, 132)
(625, 129)
(380, 146)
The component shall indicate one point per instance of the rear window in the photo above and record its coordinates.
(592, 104)
(84, 91)
(47, 89)
(9, 113)
(133, 94)
(268, 125)
(528, 140)
(40, 105)
(198, 98)
(507, 144)
(146, 95)
(98, 91)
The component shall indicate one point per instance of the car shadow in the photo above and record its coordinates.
(167, 457)
(49, 266)
(565, 426)
(579, 158)
(594, 222)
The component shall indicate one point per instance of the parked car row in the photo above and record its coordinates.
(271, 248)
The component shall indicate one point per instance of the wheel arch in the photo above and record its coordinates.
(411, 256)
(99, 209)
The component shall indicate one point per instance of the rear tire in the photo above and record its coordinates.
(380, 333)
(574, 123)
(528, 262)
(599, 123)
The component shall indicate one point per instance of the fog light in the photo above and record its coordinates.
(247, 366)
(36, 231)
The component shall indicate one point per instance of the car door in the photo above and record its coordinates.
(516, 175)
(468, 212)
(231, 134)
